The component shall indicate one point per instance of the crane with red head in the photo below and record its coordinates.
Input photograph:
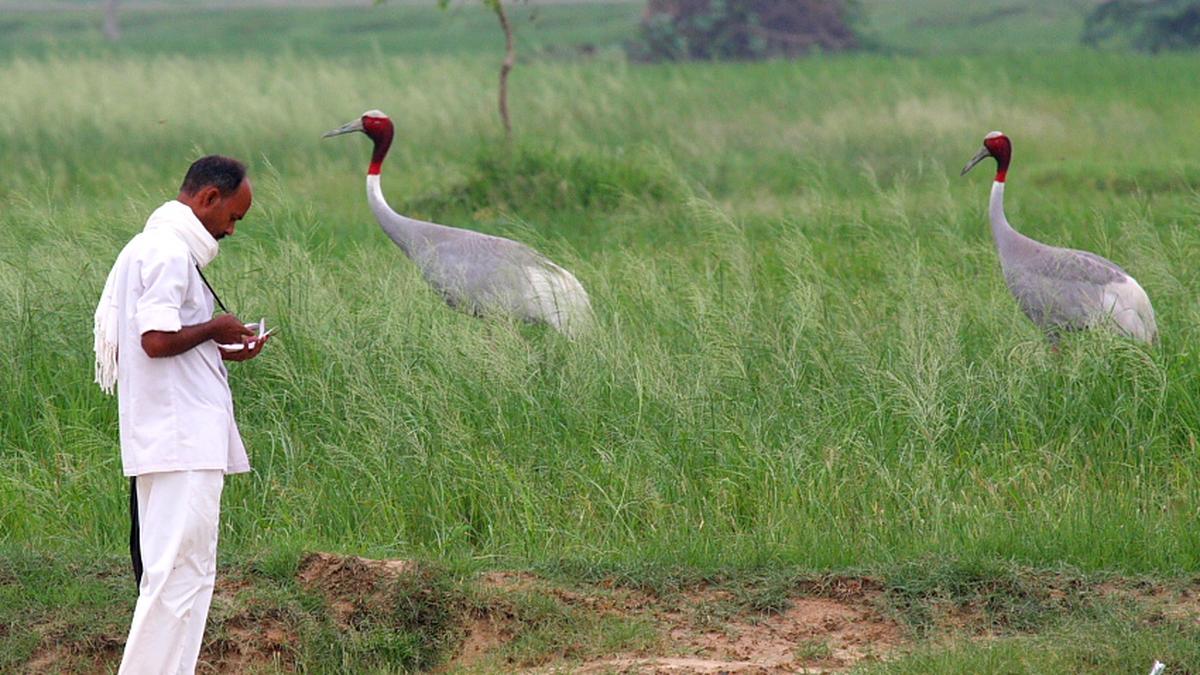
(478, 273)
(1061, 289)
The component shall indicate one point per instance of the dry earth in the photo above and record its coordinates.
(824, 625)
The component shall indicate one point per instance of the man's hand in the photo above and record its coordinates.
(246, 353)
(226, 329)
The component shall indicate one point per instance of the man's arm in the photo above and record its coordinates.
(225, 329)
(164, 275)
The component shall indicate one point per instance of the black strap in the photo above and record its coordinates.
(210, 290)
(135, 539)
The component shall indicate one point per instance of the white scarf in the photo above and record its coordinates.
(176, 219)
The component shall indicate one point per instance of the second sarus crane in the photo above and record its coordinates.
(1061, 289)
(476, 273)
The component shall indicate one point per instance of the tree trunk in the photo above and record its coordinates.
(112, 30)
(510, 58)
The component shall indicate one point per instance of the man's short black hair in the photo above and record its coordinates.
(223, 173)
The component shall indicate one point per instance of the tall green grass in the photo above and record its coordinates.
(806, 354)
(199, 29)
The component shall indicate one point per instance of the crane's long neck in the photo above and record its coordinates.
(401, 230)
(1005, 236)
(406, 232)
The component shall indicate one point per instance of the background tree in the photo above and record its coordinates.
(510, 59)
(112, 29)
(745, 29)
(510, 55)
(1145, 25)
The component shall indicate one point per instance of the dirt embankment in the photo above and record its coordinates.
(400, 613)
(824, 627)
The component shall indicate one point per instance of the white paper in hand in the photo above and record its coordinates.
(260, 327)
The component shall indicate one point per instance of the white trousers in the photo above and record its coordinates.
(178, 513)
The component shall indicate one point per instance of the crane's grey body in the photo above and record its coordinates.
(481, 274)
(474, 272)
(1062, 289)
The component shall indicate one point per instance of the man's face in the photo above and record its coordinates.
(221, 214)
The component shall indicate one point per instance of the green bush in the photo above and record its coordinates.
(539, 178)
(1145, 25)
(744, 29)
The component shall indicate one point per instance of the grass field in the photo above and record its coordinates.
(545, 29)
(807, 359)
(402, 28)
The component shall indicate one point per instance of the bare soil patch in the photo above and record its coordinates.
(704, 629)
(350, 584)
(818, 625)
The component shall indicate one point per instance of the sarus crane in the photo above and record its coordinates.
(1061, 289)
(474, 272)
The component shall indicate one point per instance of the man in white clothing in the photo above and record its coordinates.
(178, 433)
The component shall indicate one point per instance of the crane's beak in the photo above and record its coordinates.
(350, 127)
(983, 154)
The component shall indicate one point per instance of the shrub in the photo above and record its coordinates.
(529, 178)
(744, 29)
(1145, 25)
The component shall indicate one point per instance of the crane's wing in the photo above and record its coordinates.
(480, 272)
(1070, 265)
(1070, 289)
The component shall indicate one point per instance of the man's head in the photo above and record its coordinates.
(218, 192)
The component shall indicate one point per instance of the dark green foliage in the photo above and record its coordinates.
(744, 29)
(535, 178)
(1011, 599)
(374, 619)
(426, 610)
(279, 564)
(1145, 25)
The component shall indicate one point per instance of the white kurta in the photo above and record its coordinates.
(176, 412)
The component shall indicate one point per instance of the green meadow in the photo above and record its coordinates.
(806, 357)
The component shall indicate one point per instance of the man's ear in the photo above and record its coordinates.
(209, 196)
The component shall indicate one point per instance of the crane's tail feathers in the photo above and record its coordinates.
(1129, 308)
(557, 298)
